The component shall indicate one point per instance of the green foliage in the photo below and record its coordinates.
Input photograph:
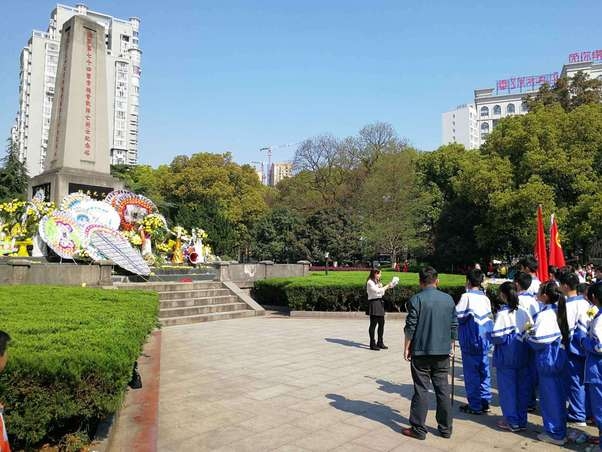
(343, 291)
(276, 236)
(569, 93)
(13, 177)
(489, 196)
(70, 357)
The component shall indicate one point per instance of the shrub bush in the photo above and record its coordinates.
(70, 357)
(344, 291)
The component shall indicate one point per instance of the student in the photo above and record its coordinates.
(4, 340)
(528, 302)
(549, 338)
(376, 308)
(511, 359)
(576, 314)
(475, 323)
(529, 265)
(592, 343)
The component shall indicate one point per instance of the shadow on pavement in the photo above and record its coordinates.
(374, 411)
(404, 390)
(346, 342)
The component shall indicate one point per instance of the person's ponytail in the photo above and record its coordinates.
(555, 295)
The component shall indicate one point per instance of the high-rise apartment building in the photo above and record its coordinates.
(39, 60)
(460, 126)
(279, 171)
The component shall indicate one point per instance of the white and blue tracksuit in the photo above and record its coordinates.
(532, 306)
(551, 363)
(576, 314)
(592, 343)
(533, 289)
(511, 359)
(475, 324)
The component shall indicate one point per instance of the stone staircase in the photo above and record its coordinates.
(194, 302)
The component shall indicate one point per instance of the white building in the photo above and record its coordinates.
(39, 61)
(279, 171)
(460, 126)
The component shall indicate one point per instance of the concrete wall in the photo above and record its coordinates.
(244, 275)
(23, 271)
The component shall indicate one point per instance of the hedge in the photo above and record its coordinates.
(70, 357)
(342, 292)
(346, 294)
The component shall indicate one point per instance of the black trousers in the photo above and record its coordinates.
(380, 321)
(434, 369)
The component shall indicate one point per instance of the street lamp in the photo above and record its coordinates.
(326, 256)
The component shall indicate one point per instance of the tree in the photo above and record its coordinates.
(221, 193)
(569, 93)
(324, 159)
(389, 203)
(276, 237)
(13, 176)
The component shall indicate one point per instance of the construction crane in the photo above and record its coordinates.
(269, 150)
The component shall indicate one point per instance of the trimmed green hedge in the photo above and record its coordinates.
(70, 357)
(343, 291)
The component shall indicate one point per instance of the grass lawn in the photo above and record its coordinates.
(70, 357)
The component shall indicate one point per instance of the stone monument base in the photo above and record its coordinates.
(56, 183)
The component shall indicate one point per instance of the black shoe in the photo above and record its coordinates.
(486, 408)
(531, 409)
(466, 409)
(381, 345)
(445, 434)
(412, 434)
(374, 347)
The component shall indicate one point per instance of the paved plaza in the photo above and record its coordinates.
(290, 384)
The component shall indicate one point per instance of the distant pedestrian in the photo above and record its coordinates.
(430, 332)
(376, 308)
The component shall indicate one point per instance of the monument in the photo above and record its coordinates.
(78, 144)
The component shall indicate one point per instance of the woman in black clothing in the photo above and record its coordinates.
(376, 308)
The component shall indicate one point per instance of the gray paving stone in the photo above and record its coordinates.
(262, 384)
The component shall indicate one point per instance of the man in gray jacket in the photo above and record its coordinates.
(430, 332)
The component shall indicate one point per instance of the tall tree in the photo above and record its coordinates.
(13, 176)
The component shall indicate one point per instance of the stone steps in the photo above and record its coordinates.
(171, 286)
(183, 320)
(195, 293)
(197, 310)
(187, 302)
(194, 302)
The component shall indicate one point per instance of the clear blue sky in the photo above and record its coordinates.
(239, 75)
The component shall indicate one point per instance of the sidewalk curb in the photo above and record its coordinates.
(135, 427)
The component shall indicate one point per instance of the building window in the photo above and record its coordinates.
(497, 110)
(484, 112)
(484, 130)
(510, 109)
(524, 107)
(494, 123)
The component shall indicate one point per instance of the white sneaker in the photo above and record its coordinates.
(548, 439)
(577, 424)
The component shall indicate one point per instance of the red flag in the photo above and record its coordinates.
(540, 248)
(556, 254)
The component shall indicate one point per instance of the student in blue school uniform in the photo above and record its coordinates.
(475, 323)
(529, 303)
(530, 265)
(511, 359)
(576, 314)
(592, 343)
(549, 338)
